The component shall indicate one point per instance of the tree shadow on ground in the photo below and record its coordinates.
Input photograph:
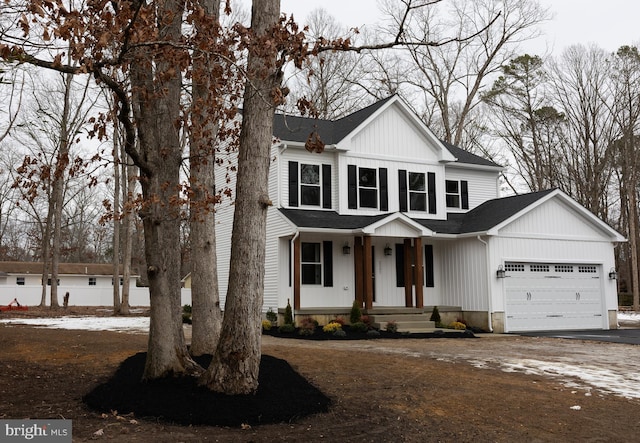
(283, 395)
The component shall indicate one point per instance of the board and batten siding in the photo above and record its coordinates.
(463, 274)
(276, 267)
(394, 134)
(482, 185)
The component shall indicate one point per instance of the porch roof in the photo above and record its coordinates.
(478, 220)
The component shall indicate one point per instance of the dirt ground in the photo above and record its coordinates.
(382, 390)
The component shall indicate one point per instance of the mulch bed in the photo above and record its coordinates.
(350, 334)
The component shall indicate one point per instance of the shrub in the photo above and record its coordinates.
(373, 333)
(340, 333)
(272, 316)
(359, 327)
(338, 320)
(186, 314)
(266, 325)
(462, 320)
(356, 312)
(392, 326)
(457, 325)
(287, 328)
(332, 327)
(288, 314)
(367, 321)
(435, 315)
(307, 326)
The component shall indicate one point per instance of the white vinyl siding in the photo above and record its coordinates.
(482, 185)
(463, 278)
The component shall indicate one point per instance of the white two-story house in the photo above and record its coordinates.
(391, 216)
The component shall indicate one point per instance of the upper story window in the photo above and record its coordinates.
(309, 185)
(92, 281)
(20, 281)
(367, 188)
(457, 194)
(417, 191)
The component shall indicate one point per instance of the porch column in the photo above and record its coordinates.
(419, 272)
(368, 274)
(358, 270)
(296, 273)
(408, 273)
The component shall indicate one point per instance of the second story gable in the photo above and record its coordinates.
(380, 159)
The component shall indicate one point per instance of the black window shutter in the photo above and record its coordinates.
(428, 266)
(402, 185)
(293, 183)
(464, 194)
(326, 186)
(352, 180)
(431, 191)
(399, 265)
(327, 252)
(384, 192)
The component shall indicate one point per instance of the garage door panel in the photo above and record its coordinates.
(552, 296)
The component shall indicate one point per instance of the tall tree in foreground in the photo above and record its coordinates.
(236, 363)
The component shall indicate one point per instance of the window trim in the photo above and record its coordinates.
(93, 281)
(318, 273)
(21, 281)
(462, 194)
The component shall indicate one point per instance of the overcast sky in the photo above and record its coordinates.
(610, 24)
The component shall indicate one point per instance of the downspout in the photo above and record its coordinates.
(490, 311)
(292, 270)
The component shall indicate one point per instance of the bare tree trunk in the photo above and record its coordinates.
(206, 315)
(236, 363)
(157, 86)
(128, 188)
(62, 161)
(117, 210)
(633, 245)
(46, 241)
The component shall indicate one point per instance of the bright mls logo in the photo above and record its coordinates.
(35, 430)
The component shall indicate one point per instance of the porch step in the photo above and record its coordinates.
(406, 322)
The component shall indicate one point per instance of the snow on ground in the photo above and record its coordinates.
(586, 365)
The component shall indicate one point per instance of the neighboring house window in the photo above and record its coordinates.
(92, 281)
(121, 281)
(20, 281)
(317, 263)
(309, 185)
(367, 188)
(417, 191)
(49, 281)
(457, 194)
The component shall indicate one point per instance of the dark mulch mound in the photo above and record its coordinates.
(319, 334)
(283, 396)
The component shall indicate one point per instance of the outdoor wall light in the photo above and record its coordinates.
(613, 275)
(387, 250)
(500, 272)
(346, 249)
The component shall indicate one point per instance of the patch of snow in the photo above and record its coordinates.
(629, 317)
(575, 408)
(117, 324)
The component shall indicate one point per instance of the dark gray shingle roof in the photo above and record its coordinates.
(297, 129)
(479, 219)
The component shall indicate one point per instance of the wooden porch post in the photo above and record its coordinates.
(358, 270)
(368, 274)
(408, 273)
(419, 272)
(296, 273)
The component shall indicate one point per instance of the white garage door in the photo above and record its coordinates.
(552, 296)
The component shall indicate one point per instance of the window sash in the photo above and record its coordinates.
(311, 265)
(452, 191)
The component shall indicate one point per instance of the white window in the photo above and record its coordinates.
(452, 189)
(417, 192)
(368, 187)
(310, 185)
(311, 264)
(92, 281)
(20, 281)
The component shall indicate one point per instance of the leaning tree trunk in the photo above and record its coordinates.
(117, 164)
(206, 315)
(236, 363)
